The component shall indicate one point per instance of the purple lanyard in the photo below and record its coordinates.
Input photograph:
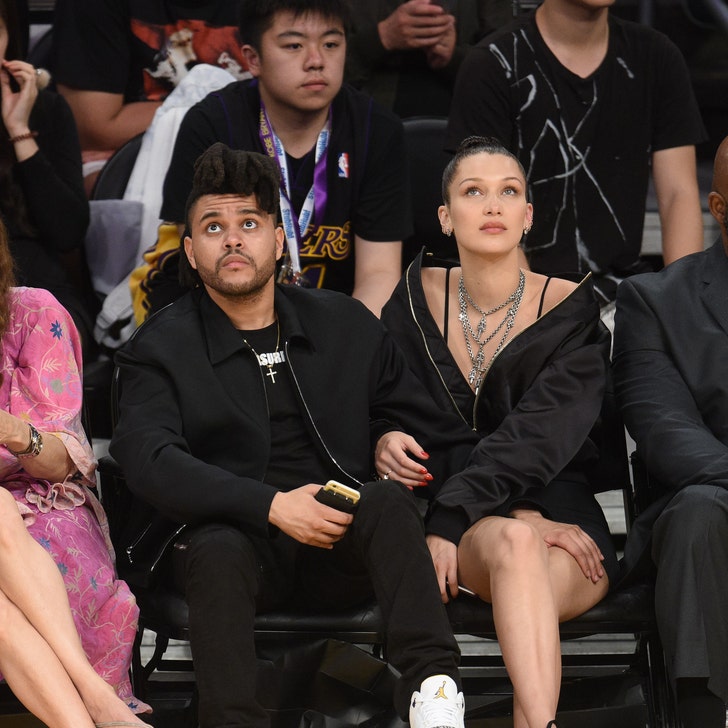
(314, 205)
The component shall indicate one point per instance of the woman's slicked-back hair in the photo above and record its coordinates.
(469, 147)
(224, 171)
(257, 16)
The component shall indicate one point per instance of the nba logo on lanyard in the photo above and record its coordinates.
(344, 165)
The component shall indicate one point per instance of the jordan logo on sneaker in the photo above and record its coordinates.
(441, 692)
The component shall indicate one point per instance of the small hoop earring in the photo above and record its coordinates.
(447, 231)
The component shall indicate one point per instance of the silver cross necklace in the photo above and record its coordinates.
(266, 363)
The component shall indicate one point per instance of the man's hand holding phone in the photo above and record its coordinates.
(339, 496)
(301, 515)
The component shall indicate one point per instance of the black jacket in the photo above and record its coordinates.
(670, 365)
(193, 435)
(537, 413)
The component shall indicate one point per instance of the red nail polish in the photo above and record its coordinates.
(424, 454)
(429, 477)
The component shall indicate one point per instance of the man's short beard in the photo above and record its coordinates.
(248, 289)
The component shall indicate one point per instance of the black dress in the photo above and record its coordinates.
(538, 412)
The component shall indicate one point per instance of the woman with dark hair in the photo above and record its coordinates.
(57, 579)
(523, 359)
(42, 199)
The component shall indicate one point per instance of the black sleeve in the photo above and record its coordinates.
(659, 409)
(399, 401)
(91, 40)
(52, 180)
(149, 442)
(550, 425)
(383, 209)
(481, 100)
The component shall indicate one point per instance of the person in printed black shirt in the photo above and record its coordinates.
(588, 102)
(115, 61)
(342, 156)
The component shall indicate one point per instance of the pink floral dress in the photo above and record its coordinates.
(41, 358)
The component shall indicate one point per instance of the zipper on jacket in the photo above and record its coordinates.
(310, 418)
(429, 356)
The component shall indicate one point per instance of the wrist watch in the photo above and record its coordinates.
(34, 446)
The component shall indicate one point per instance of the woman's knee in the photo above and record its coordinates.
(505, 543)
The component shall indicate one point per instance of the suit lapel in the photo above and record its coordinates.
(715, 279)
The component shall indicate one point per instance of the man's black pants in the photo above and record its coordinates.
(227, 576)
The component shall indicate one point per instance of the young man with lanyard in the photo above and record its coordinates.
(228, 424)
(344, 195)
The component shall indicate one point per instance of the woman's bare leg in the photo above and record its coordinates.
(532, 588)
(32, 582)
(35, 674)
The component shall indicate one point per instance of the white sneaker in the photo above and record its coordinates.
(437, 705)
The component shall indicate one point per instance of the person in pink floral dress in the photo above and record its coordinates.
(57, 577)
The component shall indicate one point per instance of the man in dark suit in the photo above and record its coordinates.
(671, 369)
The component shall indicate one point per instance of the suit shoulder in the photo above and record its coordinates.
(669, 281)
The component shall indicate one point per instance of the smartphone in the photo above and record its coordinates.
(339, 496)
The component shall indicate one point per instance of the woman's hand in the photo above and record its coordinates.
(14, 433)
(17, 105)
(393, 463)
(53, 463)
(445, 559)
(569, 537)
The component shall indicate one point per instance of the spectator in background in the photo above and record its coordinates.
(406, 54)
(670, 363)
(588, 102)
(345, 197)
(116, 60)
(42, 199)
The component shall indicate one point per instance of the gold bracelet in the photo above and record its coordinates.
(34, 446)
(23, 137)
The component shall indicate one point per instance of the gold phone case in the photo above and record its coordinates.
(339, 496)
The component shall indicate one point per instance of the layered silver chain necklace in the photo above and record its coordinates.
(476, 339)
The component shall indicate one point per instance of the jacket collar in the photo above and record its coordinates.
(224, 340)
(715, 277)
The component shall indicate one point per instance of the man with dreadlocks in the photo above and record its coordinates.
(229, 424)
